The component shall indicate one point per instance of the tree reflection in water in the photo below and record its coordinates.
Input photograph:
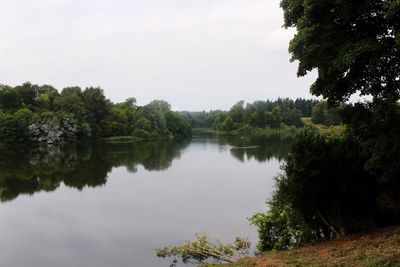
(257, 147)
(27, 171)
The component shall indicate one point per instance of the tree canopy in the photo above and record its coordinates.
(354, 45)
(347, 183)
(40, 114)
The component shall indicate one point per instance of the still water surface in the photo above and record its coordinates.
(113, 205)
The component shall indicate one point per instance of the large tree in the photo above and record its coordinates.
(354, 46)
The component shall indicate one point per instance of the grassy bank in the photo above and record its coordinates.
(131, 139)
(323, 129)
(287, 132)
(380, 247)
(283, 133)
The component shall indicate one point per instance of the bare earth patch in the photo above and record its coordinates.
(380, 247)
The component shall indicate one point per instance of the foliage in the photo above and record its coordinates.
(177, 125)
(202, 249)
(354, 45)
(201, 119)
(279, 114)
(280, 228)
(325, 115)
(15, 128)
(349, 182)
(377, 128)
(39, 114)
(98, 110)
(9, 98)
(327, 190)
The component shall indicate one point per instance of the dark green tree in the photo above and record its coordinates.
(347, 183)
(28, 93)
(10, 100)
(237, 112)
(177, 125)
(275, 117)
(354, 45)
(15, 128)
(98, 111)
(293, 117)
(71, 101)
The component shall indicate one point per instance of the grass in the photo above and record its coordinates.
(378, 248)
(202, 130)
(131, 139)
(323, 129)
(122, 139)
(289, 132)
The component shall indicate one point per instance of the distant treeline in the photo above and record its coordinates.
(33, 114)
(266, 114)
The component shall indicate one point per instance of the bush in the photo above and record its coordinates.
(324, 192)
(280, 228)
(15, 128)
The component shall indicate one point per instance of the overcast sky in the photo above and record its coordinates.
(195, 54)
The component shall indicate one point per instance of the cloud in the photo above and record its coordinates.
(184, 51)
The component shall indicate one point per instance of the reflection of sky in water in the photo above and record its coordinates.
(122, 222)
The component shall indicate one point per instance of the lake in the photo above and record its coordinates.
(113, 205)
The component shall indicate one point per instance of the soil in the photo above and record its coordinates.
(380, 247)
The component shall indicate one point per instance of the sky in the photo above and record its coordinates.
(195, 54)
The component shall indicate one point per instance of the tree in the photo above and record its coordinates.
(324, 193)
(15, 128)
(177, 125)
(237, 112)
(46, 94)
(156, 118)
(293, 118)
(354, 45)
(9, 98)
(75, 114)
(98, 110)
(275, 117)
(142, 128)
(28, 93)
(71, 102)
(227, 125)
(159, 105)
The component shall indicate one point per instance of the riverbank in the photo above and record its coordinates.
(380, 247)
(287, 132)
(132, 139)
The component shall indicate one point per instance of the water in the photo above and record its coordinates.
(113, 205)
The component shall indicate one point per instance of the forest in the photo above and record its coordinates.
(269, 114)
(40, 114)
